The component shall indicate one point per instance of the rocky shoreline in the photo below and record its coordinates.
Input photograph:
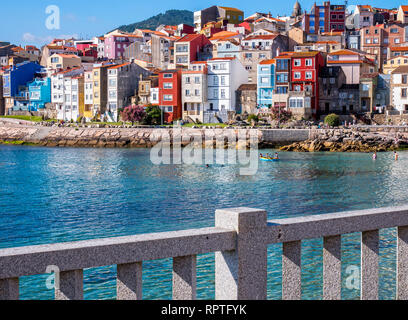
(349, 140)
(360, 139)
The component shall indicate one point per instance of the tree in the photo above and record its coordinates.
(253, 118)
(153, 115)
(333, 120)
(133, 114)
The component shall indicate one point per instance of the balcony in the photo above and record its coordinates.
(300, 93)
(240, 239)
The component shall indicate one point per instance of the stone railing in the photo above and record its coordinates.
(240, 239)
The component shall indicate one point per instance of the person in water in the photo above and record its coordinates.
(276, 156)
(396, 156)
(375, 156)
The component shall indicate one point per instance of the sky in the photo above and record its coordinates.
(25, 22)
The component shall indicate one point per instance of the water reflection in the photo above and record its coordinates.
(54, 195)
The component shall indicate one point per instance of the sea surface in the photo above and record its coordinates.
(52, 195)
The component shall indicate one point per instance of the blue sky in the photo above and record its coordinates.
(23, 22)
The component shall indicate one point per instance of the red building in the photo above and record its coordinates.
(188, 48)
(325, 18)
(170, 94)
(337, 17)
(305, 67)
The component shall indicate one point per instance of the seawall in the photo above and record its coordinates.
(142, 137)
(364, 139)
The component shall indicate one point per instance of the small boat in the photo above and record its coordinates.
(269, 159)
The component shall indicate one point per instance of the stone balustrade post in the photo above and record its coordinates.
(241, 274)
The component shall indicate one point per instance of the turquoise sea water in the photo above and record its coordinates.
(55, 195)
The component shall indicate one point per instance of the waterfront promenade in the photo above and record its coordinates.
(240, 239)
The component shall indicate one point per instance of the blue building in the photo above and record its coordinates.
(15, 81)
(40, 93)
(266, 83)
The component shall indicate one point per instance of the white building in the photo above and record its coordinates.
(88, 93)
(67, 93)
(399, 89)
(154, 96)
(194, 91)
(225, 75)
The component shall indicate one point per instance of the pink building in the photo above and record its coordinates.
(115, 45)
(353, 64)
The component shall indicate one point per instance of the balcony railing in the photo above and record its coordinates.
(240, 239)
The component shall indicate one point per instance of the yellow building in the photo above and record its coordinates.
(100, 89)
(390, 65)
(63, 61)
(233, 15)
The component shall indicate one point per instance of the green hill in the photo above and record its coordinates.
(170, 17)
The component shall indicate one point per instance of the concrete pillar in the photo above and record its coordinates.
(402, 264)
(369, 265)
(71, 286)
(129, 281)
(332, 268)
(185, 278)
(9, 289)
(241, 274)
(292, 270)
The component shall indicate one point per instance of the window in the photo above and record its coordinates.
(168, 75)
(403, 92)
(168, 97)
(396, 40)
(222, 93)
(297, 62)
(168, 85)
(112, 82)
(309, 62)
(223, 81)
(404, 78)
(215, 81)
(187, 93)
(264, 80)
(297, 75)
(188, 80)
(197, 80)
(215, 94)
(309, 75)
(197, 92)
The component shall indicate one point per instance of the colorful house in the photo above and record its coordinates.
(115, 45)
(170, 99)
(189, 47)
(40, 93)
(266, 83)
(15, 81)
(305, 67)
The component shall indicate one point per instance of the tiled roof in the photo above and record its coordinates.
(305, 54)
(262, 37)
(247, 86)
(189, 37)
(231, 9)
(223, 35)
(401, 69)
(399, 48)
(269, 61)
(120, 65)
(224, 58)
(345, 61)
(343, 53)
